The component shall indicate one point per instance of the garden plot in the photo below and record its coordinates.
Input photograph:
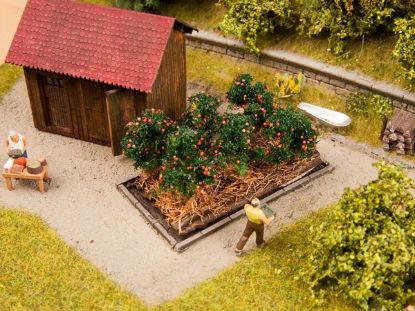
(230, 196)
(204, 166)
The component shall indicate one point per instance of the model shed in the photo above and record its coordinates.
(91, 69)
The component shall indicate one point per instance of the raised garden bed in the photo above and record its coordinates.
(198, 171)
(286, 179)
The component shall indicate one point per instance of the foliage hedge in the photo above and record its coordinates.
(248, 19)
(349, 19)
(366, 249)
(369, 105)
(340, 19)
(405, 47)
(187, 154)
(138, 5)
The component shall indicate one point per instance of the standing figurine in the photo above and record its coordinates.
(257, 218)
(15, 145)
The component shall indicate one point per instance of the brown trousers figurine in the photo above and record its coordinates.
(250, 228)
(256, 222)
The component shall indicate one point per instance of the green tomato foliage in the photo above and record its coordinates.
(202, 114)
(366, 249)
(287, 132)
(234, 141)
(145, 139)
(187, 154)
(187, 164)
(255, 98)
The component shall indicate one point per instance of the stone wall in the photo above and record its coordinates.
(332, 77)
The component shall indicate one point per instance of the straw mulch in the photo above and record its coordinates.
(181, 212)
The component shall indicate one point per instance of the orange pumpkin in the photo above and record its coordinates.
(20, 161)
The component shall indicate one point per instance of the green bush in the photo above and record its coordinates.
(138, 5)
(234, 141)
(405, 47)
(341, 20)
(187, 165)
(145, 139)
(202, 114)
(366, 249)
(256, 99)
(369, 105)
(249, 18)
(349, 19)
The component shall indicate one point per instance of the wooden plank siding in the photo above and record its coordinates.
(169, 89)
(35, 99)
(141, 102)
(83, 111)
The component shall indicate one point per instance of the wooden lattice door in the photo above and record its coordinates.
(56, 102)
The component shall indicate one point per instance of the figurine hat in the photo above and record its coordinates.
(255, 202)
(12, 133)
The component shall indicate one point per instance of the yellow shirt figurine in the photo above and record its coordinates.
(256, 221)
(255, 214)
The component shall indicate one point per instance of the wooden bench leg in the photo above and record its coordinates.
(46, 174)
(9, 183)
(41, 185)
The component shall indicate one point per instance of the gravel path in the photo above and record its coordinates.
(85, 208)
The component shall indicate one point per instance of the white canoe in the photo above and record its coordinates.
(325, 116)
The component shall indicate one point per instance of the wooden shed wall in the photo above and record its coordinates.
(39, 110)
(169, 90)
(79, 103)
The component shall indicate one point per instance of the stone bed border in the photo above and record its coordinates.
(340, 80)
(183, 245)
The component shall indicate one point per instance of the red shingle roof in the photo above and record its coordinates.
(109, 45)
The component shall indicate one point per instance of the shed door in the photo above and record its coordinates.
(121, 110)
(58, 116)
(94, 112)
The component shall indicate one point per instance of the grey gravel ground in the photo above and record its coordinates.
(87, 211)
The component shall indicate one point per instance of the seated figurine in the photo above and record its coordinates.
(15, 145)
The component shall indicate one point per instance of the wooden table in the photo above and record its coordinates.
(40, 178)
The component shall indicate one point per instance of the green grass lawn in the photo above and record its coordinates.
(265, 279)
(9, 74)
(217, 73)
(373, 57)
(40, 272)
